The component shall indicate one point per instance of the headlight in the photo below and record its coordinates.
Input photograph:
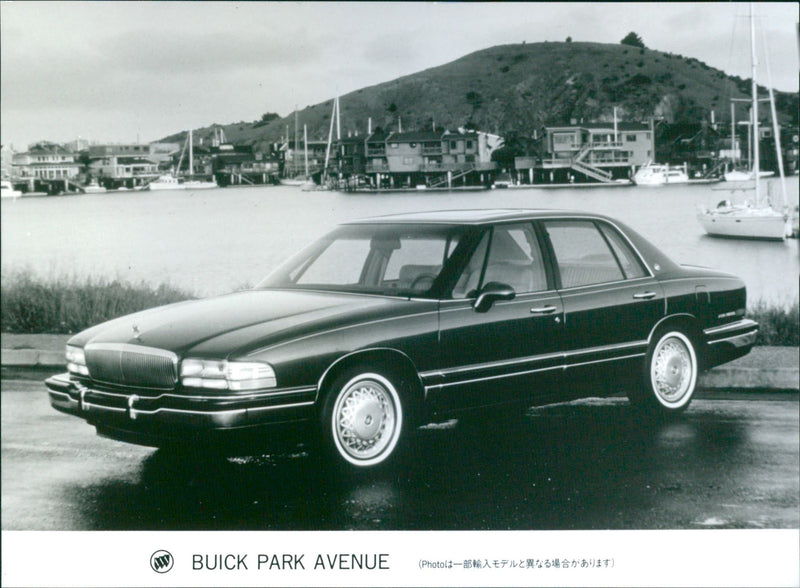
(227, 375)
(76, 361)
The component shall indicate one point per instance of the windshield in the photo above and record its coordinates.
(400, 260)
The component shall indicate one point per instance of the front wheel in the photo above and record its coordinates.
(670, 374)
(363, 418)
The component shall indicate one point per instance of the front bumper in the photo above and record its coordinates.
(158, 418)
(731, 341)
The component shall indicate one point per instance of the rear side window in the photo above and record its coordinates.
(583, 255)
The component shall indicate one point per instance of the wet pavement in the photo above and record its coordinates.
(730, 462)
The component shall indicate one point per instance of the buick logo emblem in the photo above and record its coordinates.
(161, 561)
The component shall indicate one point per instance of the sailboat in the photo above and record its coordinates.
(327, 182)
(296, 180)
(170, 181)
(751, 219)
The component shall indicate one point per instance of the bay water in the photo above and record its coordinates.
(219, 240)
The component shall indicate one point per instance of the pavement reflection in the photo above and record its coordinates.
(587, 465)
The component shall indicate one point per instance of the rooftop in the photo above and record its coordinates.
(471, 217)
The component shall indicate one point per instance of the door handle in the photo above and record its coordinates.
(543, 310)
(644, 295)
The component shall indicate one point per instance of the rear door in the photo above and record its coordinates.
(611, 301)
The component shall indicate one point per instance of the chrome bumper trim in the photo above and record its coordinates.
(742, 333)
(71, 397)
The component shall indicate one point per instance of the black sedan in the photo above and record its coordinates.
(392, 322)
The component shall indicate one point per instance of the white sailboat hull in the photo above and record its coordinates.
(745, 176)
(172, 183)
(198, 185)
(744, 223)
(167, 182)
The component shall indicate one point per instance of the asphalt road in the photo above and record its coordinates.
(730, 462)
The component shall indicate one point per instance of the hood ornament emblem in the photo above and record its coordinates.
(136, 332)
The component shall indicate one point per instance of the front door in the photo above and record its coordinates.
(508, 352)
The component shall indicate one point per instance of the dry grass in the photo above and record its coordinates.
(62, 304)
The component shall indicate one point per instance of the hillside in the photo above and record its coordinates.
(520, 88)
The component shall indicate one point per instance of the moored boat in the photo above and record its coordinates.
(753, 219)
(744, 221)
(93, 188)
(654, 174)
(7, 190)
(738, 175)
(170, 181)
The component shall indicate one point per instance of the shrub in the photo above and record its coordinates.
(62, 304)
(777, 324)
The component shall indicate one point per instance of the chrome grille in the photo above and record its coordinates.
(132, 365)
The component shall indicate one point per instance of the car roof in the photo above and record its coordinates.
(473, 217)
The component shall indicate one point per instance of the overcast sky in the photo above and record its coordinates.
(127, 71)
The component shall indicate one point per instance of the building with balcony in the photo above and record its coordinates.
(243, 164)
(156, 152)
(46, 161)
(590, 151)
(351, 155)
(429, 158)
(117, 170)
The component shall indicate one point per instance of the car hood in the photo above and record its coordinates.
(236, 323)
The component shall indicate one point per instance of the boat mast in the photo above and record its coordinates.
(191, 155)
(330, 136)
(180, 159)
(305, 146)
(753, 63)
(733, 135)
(294, 153)
(775, 128)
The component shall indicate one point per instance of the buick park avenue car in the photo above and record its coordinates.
(393, 322)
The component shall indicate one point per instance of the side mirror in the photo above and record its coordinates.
(491, 293)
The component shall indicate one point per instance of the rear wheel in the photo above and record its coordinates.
(670, 374)
(362, 421)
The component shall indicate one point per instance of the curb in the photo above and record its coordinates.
(32, 358)
(736, 377)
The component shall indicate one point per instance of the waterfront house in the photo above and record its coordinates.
(243, 164)
(376, 161)
(119, 170)
(156, 152)
(46, 161)
(602, 152)
(414, 151)
(429, 158)
(696, 145)
(351, 155)
(129, 164)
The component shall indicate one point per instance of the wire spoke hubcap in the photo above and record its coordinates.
(672, 370)
(365, 419)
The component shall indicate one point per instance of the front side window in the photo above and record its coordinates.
(582, 253)
(377, 259)
(513, 259)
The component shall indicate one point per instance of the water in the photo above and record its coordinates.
(215, 241)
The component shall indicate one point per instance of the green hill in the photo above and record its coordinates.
(520, 88)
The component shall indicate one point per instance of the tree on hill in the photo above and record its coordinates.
(633, 40)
